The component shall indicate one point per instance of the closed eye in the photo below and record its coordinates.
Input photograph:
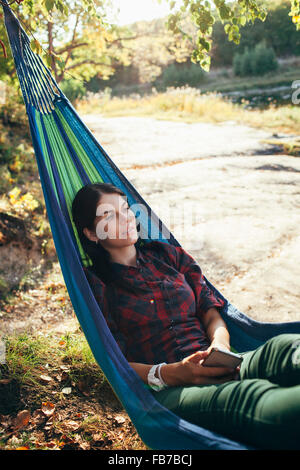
(109, 217)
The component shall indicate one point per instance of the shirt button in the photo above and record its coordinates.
(170, 327)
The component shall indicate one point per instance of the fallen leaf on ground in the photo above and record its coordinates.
(69, 426)
(5, 421)
(38, 417)
(45, 378)
(22, 419)
(84, 446)
(120, 419)
(48, 408)
(51, 444)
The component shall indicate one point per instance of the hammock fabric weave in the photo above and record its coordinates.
(68, 156)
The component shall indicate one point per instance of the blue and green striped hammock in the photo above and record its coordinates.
(68, 156)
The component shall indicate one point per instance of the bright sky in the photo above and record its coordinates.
(137, 10)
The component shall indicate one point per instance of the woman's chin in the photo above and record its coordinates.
(132, 236)
(129, 237)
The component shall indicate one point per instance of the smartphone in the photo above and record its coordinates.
(222, 358)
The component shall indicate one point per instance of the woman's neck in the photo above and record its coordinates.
(126, 256)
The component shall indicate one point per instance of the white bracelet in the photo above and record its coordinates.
(158, 372)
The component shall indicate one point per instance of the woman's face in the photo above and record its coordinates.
(115, 224)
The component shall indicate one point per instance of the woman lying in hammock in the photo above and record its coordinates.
(166, 319)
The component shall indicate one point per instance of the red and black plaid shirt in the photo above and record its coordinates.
(162, 323)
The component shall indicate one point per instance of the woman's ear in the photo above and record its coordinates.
(90, 235)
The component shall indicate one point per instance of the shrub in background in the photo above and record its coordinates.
(73, 89)
(179, 75)
(256, 61)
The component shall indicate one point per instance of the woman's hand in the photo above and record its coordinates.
(226, 347)
(190, 371)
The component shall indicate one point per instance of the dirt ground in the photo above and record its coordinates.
(228, 198)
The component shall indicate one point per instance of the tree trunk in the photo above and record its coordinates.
(51, 50)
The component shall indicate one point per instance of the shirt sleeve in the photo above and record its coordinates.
(100, 293)
(187, 265)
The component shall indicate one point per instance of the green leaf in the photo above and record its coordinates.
(36, 46)
(205, 65)
(60, 6)
(227, 28)
(243, 20)
(263, 16)
(49, 4)
(224, 12)
(205, 44)
(48, 60)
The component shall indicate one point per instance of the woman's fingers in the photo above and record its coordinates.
(192, 372)
(196, 357)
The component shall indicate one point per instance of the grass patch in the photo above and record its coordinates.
(54, 395)
(189, 105)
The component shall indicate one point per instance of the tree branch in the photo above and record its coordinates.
(50, 42)
(91, 62)
(137, 36)
(72, 42)
(71, 47)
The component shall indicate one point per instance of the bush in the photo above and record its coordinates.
(264, 59)
(73, 89)
(256, 61)
(177, 76)
(237, 64)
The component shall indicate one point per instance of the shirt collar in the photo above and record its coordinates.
(140, 258)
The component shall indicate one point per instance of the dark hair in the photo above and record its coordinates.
(84, 213)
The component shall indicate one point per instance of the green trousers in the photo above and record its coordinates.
(261, 408)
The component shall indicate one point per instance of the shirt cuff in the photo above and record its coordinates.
(209, 303)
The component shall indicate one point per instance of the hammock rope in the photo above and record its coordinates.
(69, 156)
